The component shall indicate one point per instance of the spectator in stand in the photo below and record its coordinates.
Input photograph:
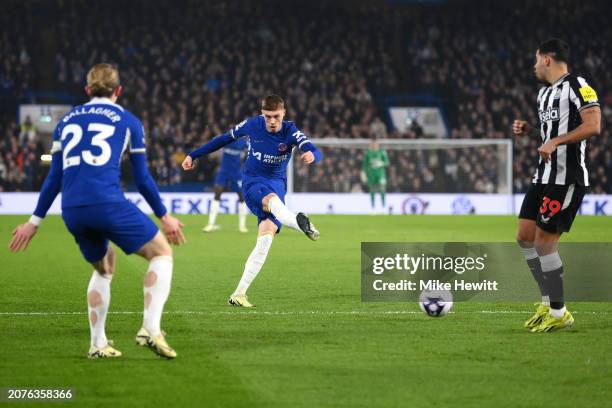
(335, 62)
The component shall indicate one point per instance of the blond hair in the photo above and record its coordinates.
(102, 80)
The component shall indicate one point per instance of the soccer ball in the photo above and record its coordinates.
(436, 303)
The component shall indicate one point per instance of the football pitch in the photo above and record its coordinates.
(310, 342)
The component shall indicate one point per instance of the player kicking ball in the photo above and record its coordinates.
(264, 181)
(86, 154)
(229, 178)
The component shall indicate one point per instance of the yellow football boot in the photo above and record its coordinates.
(157, 344)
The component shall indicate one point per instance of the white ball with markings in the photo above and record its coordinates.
(436, 303)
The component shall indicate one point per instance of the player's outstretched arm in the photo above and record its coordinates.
(171, 226)
(23, 234)
(213, 145)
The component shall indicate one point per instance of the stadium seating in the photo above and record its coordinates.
(189, 79)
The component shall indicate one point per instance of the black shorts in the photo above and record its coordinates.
(552, 207)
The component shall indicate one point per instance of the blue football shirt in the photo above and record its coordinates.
(92, 138)
(231, 159)
(269, 153)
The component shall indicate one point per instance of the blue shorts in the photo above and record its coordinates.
(229, 181)
(255, 189)
(122, 223)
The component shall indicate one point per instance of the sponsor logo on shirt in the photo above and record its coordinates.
(588, 94)
(271, 159)
(549, 114)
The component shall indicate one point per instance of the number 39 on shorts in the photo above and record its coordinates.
(553, 206)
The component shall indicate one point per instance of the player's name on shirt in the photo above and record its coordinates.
(93, 110)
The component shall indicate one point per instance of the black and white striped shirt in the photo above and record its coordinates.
(559, 107)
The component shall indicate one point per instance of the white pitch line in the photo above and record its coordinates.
(288, 313)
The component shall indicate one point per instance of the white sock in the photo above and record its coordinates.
(529, 253)
(98, 299)
(557, 312)
(254, 263)
(214, 210)
(242, 213)
(282, 213)
(156, 290)
(546, 300)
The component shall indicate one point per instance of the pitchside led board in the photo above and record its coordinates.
(332, 203)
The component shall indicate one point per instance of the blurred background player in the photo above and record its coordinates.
(229, 178)
(569, 115)
(374, 173)
(272, 141)
(86, 153)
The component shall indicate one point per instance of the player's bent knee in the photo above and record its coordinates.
(104, 268)
(158, 246)
(546, 242)
(163, 249)
(524, 240)
(267, 227)
(525, 236)
(266, 200)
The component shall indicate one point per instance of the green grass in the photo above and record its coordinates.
(311, 341)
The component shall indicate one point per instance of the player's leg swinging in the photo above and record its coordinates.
(272, 204)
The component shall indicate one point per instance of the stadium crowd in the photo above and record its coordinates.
(198, 72)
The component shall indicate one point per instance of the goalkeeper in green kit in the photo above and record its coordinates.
(373, 172)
